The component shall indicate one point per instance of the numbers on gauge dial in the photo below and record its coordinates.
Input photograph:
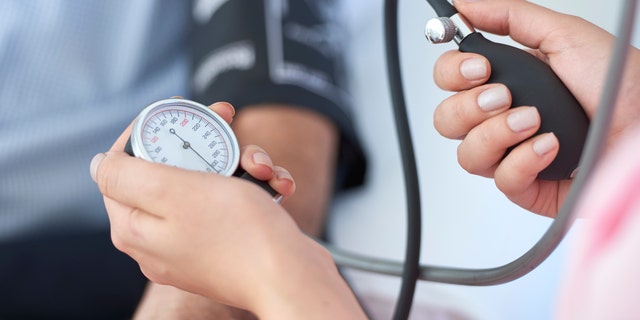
(183, 137)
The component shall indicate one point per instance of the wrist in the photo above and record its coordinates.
(303, 282)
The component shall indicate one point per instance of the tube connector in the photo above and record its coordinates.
(443, 29)
(440, 30)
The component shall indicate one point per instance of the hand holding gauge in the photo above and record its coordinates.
(188, 135)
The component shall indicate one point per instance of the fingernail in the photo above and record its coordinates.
(282, 174)
(544, 144)
(229, 105)
(523, 119)
(574, 173)
(262, 158)
(493, 98)
(474, 69)
(95, 163)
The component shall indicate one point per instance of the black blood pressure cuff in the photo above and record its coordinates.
(250, 52)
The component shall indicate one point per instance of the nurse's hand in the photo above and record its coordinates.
(220, 237)
(479, 113)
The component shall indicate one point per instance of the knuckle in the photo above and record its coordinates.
(472, 152)
(460, 114)
(485, 138)
(439, 119)
(442, 71)
(153, 274)
(118, 242)
(464, 160)
(448, 117)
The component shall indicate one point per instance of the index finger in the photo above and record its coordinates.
(456, 71)
(225, 110)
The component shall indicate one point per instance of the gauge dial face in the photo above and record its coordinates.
(185, 134)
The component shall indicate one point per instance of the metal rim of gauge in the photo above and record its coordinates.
(173, 136)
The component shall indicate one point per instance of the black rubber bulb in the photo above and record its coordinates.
(533, 83)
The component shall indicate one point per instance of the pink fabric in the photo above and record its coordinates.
(603, 275)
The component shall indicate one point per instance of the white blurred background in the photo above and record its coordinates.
(467, 222)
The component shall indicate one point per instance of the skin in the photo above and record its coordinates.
(180, 239)
(304, 142)
(173, 242)
(567, 44)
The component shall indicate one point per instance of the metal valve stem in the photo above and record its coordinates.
(443, 29)
(440, 30)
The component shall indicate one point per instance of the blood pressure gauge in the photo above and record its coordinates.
(187, 134)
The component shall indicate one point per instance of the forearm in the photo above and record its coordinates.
(305, 143)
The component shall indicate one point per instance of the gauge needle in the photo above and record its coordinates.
(187, 145)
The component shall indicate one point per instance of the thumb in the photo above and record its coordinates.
(114, 172)
(131, 181)
(530, 24)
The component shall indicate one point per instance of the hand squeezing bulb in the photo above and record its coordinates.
(531, 82)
